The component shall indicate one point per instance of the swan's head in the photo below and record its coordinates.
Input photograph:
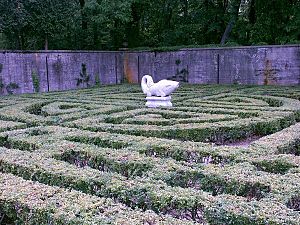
(148, 80)
(146, 83)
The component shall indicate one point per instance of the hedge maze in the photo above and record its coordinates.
(221, 155)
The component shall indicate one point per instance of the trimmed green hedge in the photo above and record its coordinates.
(98, 156)
(30, 202)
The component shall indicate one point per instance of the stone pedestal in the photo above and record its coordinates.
(153, 101)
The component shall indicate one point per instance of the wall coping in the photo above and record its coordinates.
(54, 51)
(141, 51)
(224, 48)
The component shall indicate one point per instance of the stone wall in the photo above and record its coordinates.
(59, 70)
(278, 65)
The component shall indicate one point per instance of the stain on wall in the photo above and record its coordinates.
(131, 68)
(59, 70)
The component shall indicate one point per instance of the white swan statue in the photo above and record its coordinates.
(162, 88)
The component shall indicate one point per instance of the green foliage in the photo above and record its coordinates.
(35, 81)
(3, 41)
(84, 78)
(181, 73)
(108, 19)
(1, 83)
(103, 24)
(277, 22)
(97, 80)
(11, 87)
(88, 209)
(31, 24)
(70, 157)
(274, 166)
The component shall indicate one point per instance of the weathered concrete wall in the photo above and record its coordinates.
(278, 65)
(58, 70)
(201, 65)
(264, 65)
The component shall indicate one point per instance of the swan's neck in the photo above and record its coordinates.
(147, 82)
(150, 81)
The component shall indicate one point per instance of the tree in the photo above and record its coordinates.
(49, 18)
(105, 24)
(31, 23)
(14, 20)
(233, 15)
(276, 21)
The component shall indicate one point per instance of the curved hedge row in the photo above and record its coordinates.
(97, 156)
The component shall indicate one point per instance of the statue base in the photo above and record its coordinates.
(153, 101)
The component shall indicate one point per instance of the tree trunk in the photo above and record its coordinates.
(185, 6)
(233, 18)
(20, 42)
(169, 12)
(133, 30)
(84, 26)
(252, 14)
(227, 31)
(83, 15)
(46, 42)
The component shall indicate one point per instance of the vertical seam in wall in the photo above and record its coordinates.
(123, 66)
(187, 77)
(218, 68)
(116, 69)
(138, 68)
(47, 74)
(298, 55)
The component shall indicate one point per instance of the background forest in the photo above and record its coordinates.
(113, 24)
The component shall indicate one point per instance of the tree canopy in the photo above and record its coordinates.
(110, 25)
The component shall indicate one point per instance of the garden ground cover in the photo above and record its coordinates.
(99, 156)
